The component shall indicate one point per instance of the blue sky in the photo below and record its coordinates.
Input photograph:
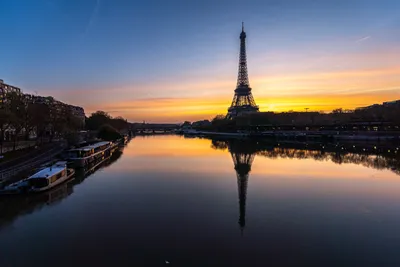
(102, 53)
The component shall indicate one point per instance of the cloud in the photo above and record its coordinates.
(93, 16)
(363, 39)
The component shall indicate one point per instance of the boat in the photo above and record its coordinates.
(42, 180)
(83, 156)
(125, 140)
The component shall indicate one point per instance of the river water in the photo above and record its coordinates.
(174, 201)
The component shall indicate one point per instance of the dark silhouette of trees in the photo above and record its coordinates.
(119, 123)
(108, 133)
(4, 120)
(22, 114)
(17, 108)
(221, 123)
(100, 118)
(97, 119)
(40, 118)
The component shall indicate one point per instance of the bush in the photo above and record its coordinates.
(108, 133)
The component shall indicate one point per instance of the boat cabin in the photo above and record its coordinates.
(87, 151)
(48, 175)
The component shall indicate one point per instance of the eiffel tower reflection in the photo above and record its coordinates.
(243, 154)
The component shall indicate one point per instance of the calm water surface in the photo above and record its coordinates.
(193, 202)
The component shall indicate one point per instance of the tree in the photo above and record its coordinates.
(58, 118)
(218, 119)
(40, 118)
(17, 107)
(4, 122)
(337, 111)
(73, 122)
(220, 123)
(108, 133)
(27, 116)
(119, 123)
(97, 120)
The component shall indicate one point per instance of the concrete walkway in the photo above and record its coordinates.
(9, 146)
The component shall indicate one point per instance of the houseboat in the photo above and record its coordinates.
(43, 180)
(83, 156)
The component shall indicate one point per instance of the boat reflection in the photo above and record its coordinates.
(11, 207)
(83, 173)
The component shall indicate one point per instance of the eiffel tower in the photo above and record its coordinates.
(243, 101)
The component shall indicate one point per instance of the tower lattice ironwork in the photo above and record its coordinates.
(243, 101)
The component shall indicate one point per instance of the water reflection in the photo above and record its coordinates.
(244, 151)
(11, 207)
(176, 199)
(82, 174)
(380, 157)
(243, 156)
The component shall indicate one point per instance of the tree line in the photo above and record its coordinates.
(107, 127)
(22, 115)
(377, 113)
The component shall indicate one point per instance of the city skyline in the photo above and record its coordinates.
(178, 61)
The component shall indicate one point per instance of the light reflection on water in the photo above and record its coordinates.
(197, 202)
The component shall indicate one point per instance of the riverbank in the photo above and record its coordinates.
(303, 135)
(22, 167)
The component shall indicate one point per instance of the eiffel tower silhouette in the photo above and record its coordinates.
(243, 101)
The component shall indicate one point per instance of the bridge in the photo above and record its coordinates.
(153, 128)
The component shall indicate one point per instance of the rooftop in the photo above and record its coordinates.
(96, 145)
(49, 171)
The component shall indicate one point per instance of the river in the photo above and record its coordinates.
(175, 201)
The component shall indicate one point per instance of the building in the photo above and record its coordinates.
(57, 108)
(391, 103)
(78, 112)
(368, 107)
(5, 89)
(7, 130)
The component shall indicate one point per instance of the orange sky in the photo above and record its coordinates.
(316, 91)
(366, 72)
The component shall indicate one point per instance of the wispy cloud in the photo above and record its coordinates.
(365, 38)
(93, 16)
